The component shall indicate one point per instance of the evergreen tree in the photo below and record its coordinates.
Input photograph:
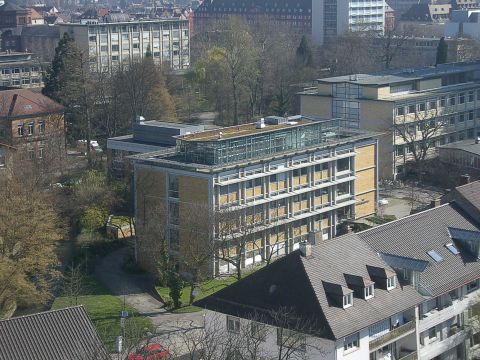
(53, 77)
(442, 52)
(304, 52)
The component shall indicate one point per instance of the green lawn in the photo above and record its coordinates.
(104, 311)
(206, 288)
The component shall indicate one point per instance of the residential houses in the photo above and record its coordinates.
(408, 289)
(55, 335)
(285, 178)
(421, 108)
(32, 123)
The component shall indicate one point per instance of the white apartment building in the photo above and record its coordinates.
(112, 44)
(349, 309)
(405, 290)
(335, 17)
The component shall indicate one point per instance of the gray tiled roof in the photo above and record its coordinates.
(471, 193)
(415, 235)
(301, 283)
(51, 335)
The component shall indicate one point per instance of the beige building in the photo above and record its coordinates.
(414, 108)
(284, 179)
(111, 44)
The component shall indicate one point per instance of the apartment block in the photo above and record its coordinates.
(405, 290)
(349, 302)
(412, 108)
(110, 45)
(286, 179)
(20, 70)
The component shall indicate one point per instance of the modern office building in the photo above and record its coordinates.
(20, 70)
(147, 136)
(112, 44)
(284, 178)
(405, 290)
(336, 17)
(427, 106)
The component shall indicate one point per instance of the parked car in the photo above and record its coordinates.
(151, 352)
(94, 147)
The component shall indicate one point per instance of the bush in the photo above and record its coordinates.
(130, 266)
(93, 218)
(175, 284)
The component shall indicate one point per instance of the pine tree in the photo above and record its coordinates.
(442, 52)
(304, 52)
(52, 78)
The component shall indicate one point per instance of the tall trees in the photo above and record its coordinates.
(442, 52)
(29, 231)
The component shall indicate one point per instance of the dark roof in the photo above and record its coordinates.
(25, 103)
(51, 335)
(307, 286)
(471, 193)
(11, 6)
(414, 236)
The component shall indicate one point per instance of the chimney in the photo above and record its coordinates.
(434, 203)
(464, 179)
(305, 249)
(260, 124)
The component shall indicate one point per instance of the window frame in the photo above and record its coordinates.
(391, 283)
(369, 292)
(348, 300)
(235, 321)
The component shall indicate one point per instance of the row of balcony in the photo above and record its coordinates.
(392, 335)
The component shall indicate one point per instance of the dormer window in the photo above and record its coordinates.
(369, 292)
(391, 283)
(347, 300)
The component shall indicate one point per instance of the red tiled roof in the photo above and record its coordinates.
(24, 102)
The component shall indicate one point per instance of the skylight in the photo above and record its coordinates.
(434, 255)
(453, 249)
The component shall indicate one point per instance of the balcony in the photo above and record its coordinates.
(411, 356)
(439, 347)
(391, 336)
(437, 316)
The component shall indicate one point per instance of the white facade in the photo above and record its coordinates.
(110, 45)
(335, 17)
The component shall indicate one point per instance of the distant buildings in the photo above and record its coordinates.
(286, 178)
(444, 99)
(428, 13)
(464, 23)
(464, 155)
(406, 290)
(322, 19)
(114, 43)
(20, 70)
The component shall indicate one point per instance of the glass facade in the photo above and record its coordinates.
(257, 145)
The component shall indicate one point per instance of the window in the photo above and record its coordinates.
(470, 96)
(351, 342)
(451, 100)
(115, 47)
(435, 256)
(432, 105)
(40, 153)
(291, 339)
(391, 283)
(472, 286)
(453, 249)
(31, 154)
(347, 300)
(343, 164)
(233, 324)
(259, 330)
(2, 159)
(173, 240)
(422, 107)
(41, 127)
(173, 186)
(173, 212)
(442, 101)
(369, 292)
(20, 129)
(461, 98)
(400, 110)
(31, 128)
(432, 333)
(411, 109)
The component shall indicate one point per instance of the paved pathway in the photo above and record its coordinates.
(135, 290)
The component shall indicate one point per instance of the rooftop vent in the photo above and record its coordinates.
(477, 140)
(275, 120)
(139, 119)
(305, 249)
(260, 124)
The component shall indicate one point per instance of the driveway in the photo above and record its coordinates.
(136, 291)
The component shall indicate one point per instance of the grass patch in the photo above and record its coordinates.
(104, 311)
(206, 288)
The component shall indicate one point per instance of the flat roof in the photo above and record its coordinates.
(403, 75)
(127, 22)
(464, 145)
(170, 125)
(237, 131)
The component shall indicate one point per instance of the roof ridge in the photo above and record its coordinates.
(403, 218)
(467, 184)
(44, 312)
